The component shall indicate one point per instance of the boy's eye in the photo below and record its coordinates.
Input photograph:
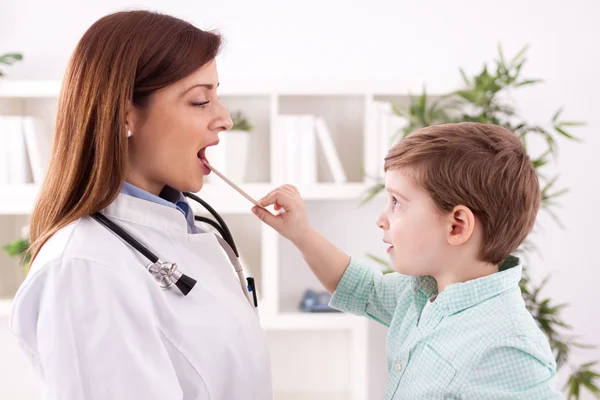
(394, 201)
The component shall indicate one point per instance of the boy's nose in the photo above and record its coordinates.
(382, 221)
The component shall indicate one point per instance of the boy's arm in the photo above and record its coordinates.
(515, 368)
(358, 289)
(367, 292)
(326, 261)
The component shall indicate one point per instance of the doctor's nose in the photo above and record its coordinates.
(382, 221)
(223, 121)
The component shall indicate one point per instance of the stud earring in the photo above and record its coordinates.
(129, 133)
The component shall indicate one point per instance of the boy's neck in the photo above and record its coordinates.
(463, 273)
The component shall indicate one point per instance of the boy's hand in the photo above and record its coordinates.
(292, 223)
(327, 262)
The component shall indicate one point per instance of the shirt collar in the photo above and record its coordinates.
(462, 295)
(168, 197)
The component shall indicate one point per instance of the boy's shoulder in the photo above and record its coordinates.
(496, 343)
(501, 324)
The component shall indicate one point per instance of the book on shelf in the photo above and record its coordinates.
(298, 140)
(384, 127)
(25, 147)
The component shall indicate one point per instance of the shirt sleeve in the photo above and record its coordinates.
(514, 368)
(95, 341)
(366, 292)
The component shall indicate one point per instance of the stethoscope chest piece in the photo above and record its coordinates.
(167, 275)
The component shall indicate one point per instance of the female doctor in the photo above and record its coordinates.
(137, 109)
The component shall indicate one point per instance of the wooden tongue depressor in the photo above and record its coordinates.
(233, 185)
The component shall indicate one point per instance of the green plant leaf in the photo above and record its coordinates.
(16, 248)
(583, 377)
(10, 58)
(466, 80)
(557, 114)
(19, 248)
(572, 123)
(560, 130)
(518, 56)
(528, 82)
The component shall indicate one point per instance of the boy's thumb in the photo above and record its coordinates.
(264, 215)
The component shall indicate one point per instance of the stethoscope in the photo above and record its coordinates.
(167, 274)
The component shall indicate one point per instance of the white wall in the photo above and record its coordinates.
(407, 42)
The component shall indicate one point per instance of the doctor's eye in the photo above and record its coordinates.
(201, 104)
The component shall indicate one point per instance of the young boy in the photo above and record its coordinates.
(461, 198)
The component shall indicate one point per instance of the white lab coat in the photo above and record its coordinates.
(96, 325)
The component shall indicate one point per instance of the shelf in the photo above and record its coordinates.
(28, 89)
(20, 199)
(17, 199)
(51, 88)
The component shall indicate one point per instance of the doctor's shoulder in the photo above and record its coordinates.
(73, 263)
(81, 241)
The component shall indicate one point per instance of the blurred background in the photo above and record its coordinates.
(319, 91)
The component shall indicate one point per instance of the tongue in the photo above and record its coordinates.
(202, 155)
(202, 158)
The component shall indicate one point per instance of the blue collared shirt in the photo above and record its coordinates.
(178, 202)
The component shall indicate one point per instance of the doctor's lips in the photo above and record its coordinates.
(202, 157)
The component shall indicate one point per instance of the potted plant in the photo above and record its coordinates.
(230, 156)
(483, 99)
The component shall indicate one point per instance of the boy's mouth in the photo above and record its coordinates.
(389, 248)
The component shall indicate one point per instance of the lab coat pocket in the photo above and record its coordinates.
(427, 375)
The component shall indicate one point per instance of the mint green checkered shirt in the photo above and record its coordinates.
(476, 340)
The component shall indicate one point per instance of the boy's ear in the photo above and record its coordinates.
(461, 222)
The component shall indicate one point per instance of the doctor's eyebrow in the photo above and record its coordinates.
(208, 86)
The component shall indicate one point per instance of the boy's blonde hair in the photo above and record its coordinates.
(481, 166)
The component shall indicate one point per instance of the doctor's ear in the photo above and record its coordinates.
(461, 223)
(129, 118)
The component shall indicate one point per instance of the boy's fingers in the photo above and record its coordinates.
(265, 198)
(268, 194)
(277, 197)
(264, 215)
(293, 189)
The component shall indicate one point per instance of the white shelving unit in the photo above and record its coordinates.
(315, 356)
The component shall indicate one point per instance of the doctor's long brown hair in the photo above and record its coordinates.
(123, 57)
